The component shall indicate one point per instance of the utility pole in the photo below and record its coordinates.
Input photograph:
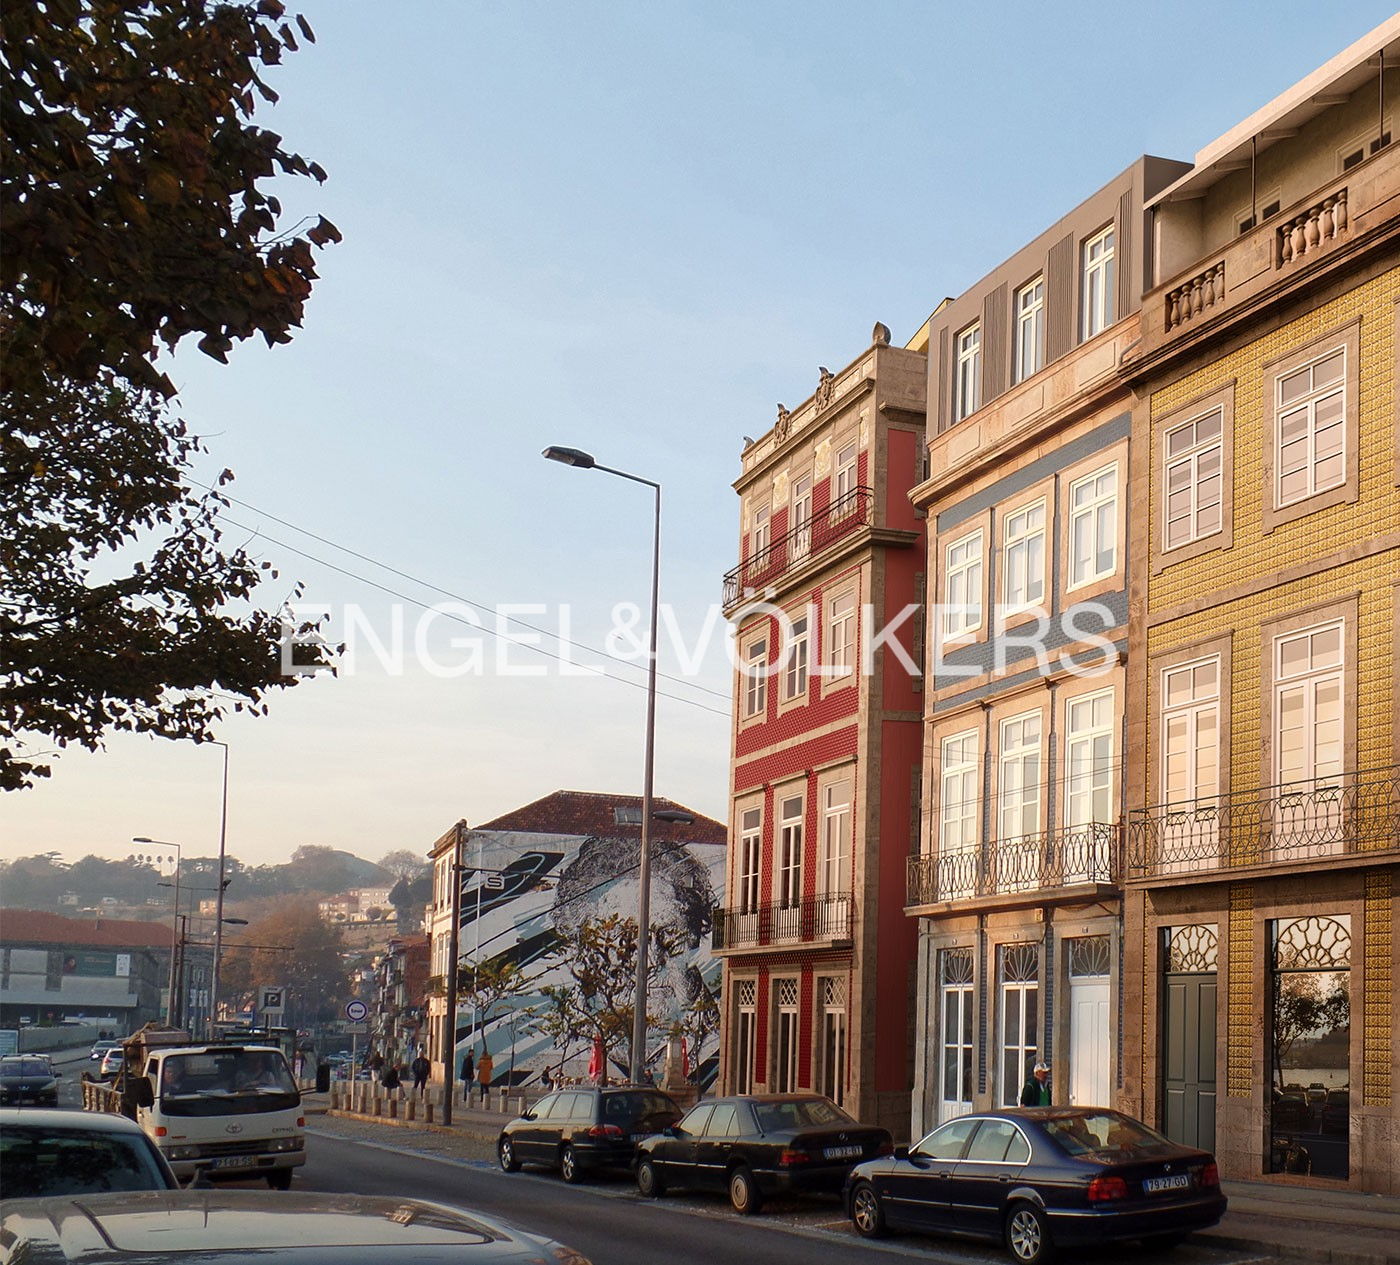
(449, 1036)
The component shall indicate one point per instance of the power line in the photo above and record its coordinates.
(437, 588)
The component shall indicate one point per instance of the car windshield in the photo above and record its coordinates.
(39, 1162)
(1105, 1133)
(24, 1067)
(635, 1105)
(798, 1113)
(217, 1082)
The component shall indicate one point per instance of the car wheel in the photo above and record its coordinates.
(743, 1192)
(866, 1213)
(1027, 1235)
(281, 1179)
(505, 1152)
(649, 1181)
(568, 1165)
(1163, 1242)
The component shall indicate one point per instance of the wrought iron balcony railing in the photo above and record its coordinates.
(1027, 863)
(815, 919)
(1305, 820)
(823, 529)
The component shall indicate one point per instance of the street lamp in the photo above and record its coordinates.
(174, 926)
(584, 461)
(219, 899)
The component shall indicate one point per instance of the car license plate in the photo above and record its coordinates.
(1179, 1181)
(637, 1137)
(842, 1152)
(234, 1161)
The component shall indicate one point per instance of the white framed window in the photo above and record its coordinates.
(795, 672)
(1093, 526)
(843, 483)
(802, 516)
(1023, 556)
(1018, 1028)
(1311, 431)
(1190, 694)
(959, 798)
(841, 635)
(1308, 703)
(1089, 760)
(761, 534)
(790, 853)
(1192, 456)
(836, 838)
(967, 373)
(956, 1064)
(1097, 286)
(962, 590)
(756, 677)
(1030, 329)
(1018, 777)
(745, 1030)
(750, 852)
(785, 1046)
(832, 991)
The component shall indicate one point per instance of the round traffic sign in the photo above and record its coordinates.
(355, 1011)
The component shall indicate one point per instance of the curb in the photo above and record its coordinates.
(459, 1130)
(1289, 1251)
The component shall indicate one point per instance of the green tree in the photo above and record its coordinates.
(135, 216)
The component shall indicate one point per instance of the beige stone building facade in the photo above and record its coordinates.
(1262, 844)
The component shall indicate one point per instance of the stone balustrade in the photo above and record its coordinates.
(1302, 234)
(1201, 293)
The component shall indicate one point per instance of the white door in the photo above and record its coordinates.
(1089, 1051)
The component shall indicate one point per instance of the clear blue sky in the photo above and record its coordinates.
(632, 228)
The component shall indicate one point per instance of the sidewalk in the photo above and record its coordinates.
(1297, 1223)
(474, 1121)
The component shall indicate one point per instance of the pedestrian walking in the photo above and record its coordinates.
(1036, 1091)
(483, 1075)
(468, 1075)
(420, 1067)
(546, 1080)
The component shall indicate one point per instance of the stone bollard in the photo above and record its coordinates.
(428, 1113)
(393, 1109)
(411, 1110)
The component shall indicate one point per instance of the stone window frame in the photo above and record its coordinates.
(1069, 592)
(1072, 690)
(965, 406)
(831, 682)
(1013, 706)
(971, 526)
(1221, 648)
(1019, 372)
(1006, 618)
(746, 638)
(1110, 289)
(752, 801)
(784, 662)
(956, 727)
(792, 788)
(1345, 608)
(827, 778)
(1347, 337)
(1163, 557)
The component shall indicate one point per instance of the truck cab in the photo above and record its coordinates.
(229, 1111)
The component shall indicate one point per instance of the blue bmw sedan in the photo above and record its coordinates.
(1038, 1179)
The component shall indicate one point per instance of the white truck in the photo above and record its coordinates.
(224, 1110)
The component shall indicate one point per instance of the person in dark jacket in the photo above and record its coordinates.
(420, 1067)
(468, 1075)
(389, 1078)
(1036, 1091)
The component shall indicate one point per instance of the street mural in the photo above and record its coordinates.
(525, 896)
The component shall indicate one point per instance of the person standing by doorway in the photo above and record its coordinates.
(1036, 1091)
(468, 1076)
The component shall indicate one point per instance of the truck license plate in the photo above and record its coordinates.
(234, 1161)
(1180, 1181)
(842, 1152)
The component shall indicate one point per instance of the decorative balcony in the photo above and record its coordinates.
(821, 920)
(813, 538)
(1026, 870)
(1345, 819)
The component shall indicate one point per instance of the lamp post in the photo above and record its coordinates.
(174, 927)
(583, 461)
(218, 900)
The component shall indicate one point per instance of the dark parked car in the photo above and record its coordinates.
(1041, 1178)
(251, 1227)
(756, 1145)
(45, 1153)
(578, 1130)
(28, 1078)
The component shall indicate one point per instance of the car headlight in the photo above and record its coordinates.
(286, 1144)
(182, 1153)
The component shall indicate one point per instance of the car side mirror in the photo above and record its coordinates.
(57, 1075)
(901, 1152)
(142, 1092)
(527, 1115)
(670, 1131)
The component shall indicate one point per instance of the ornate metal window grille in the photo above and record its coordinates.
(1089, 955)
(834, 990)
(955, 966)
(747, 991)
(786, 992)
(1193, 949)
(1312, 944)
(1020, 963)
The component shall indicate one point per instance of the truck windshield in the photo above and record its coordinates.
(226, 1082)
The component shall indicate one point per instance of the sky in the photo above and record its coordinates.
(629, 228)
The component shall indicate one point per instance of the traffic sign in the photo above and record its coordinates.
(355, 1011)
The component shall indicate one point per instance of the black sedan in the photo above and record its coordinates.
(757, 1145)
(28, 1078)
(1041, 1178)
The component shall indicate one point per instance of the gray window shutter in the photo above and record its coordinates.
(996, 320)
(943, 412)
(1128, 292)
(1061, 317)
